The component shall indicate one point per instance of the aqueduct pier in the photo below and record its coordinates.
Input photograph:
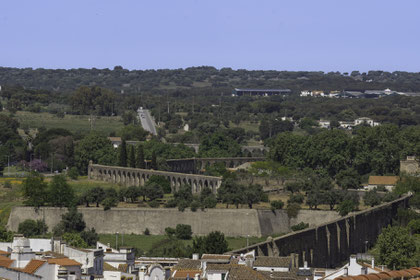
(138, 177)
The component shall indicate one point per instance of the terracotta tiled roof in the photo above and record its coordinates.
(293, 274)
(188, 264)
(218, 267)
(113, 139)
(406, 273)
(64, 262)
(33, 266)
(183, 273)
(273, 261)
(108, 267)
(383, 180)
(5, 261)
(245, 273)
(4, 253)
(215, 257)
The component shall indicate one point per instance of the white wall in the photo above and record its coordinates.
(40, 244)
(13, 274)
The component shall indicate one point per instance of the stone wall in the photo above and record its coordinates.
(330, 244)
(232, 222)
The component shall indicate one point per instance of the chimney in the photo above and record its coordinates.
(305, 265)
(373, 262)
(195, 257)
(346, 271)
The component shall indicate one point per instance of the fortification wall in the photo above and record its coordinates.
(330, 244)
(232, 222)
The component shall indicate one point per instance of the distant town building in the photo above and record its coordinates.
(388, 182)
(260, 92)
(410, 165)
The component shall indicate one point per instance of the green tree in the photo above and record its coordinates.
(153, 191)
(122, 160)
(396, 248)
(140, 157)
(346, 206)
(160, 181)
(97, 195)
(96, 148)
(132, 157)
(74, 239)
(30, 228)
(35, 190)
(348, 179)
(73, 173)
(60, 192)
(72, 221)
(183, 231)
(90, 237)
(372, 198)
(153, 161)
(213, 243)
(276, 204)
(230, 192)
(253, 194)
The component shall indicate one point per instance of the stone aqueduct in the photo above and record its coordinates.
(138, 177)
(194, 165)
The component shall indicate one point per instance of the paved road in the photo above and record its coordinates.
(147, 121)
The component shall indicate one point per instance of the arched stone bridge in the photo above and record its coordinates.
(138, 177)
(193, 165)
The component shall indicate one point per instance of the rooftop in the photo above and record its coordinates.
(273, 261)
(384, 275)
(5, 261)
(33, 266)
(383, 180)
(184, 273)
(188, 264)
(64, 262)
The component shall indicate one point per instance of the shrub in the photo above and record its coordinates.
(210, 202)
(146, 231)
(300, 226)
(183, 231)
(73, 173)
(182, 205)
(194, 205)
(170, 231)
(296, 198)
(293, 210)
(276, 204)
(8, 184)
(31, 228)
(154, 204)
(109, 202)
(172, 203)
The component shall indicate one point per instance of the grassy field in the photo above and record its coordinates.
(145, 242)
(72, 123)
(9, 197)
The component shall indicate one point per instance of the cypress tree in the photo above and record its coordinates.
(132, 158)
(123, 154)
(153, 163)
(140, 157)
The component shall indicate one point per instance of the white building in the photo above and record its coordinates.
(352, 268)
(365, 120)
(324, 123)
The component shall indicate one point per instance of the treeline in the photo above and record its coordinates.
(368, 150)
(135, 80)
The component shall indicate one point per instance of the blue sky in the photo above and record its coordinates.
(330, 35)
